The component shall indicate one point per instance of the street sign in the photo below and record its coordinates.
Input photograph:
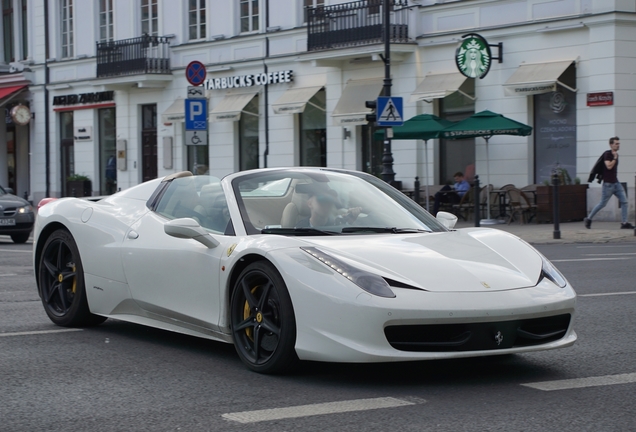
(196, 137)
(196, 114)
(196, 92)
(390, 112)
(195, 73)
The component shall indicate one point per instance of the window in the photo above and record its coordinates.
(67, 28)
(248, 136)
(7, 30)
(311, 4)
(149, 17)
(313, 132)
(107, 149)
(249, 15)
(457, 155)
(196, 19)
(25, 40)
(105, 20)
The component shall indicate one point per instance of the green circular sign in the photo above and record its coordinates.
(473, 56)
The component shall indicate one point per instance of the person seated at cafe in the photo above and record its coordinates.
(322, 203)
(451, 194)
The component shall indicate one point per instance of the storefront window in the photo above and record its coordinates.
(67, 161)
(107, 150)
(313, 132)
(248, 136)
(555, 134)
(457, 155)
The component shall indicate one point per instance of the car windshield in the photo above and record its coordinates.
(324, 202)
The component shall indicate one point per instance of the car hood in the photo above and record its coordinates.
(463, 260)
(9, 200)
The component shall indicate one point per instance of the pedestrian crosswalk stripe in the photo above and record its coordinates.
(318, 409)
(38, 332)
(583, 382)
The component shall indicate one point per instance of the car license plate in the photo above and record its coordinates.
(7, 221)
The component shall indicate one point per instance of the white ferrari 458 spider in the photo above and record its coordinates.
(298, 263)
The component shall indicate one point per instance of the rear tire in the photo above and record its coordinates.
(61, 283)
(263, 322)
(20, 238)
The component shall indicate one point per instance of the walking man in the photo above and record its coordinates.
(611, 186)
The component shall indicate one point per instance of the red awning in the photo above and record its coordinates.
(8, 91)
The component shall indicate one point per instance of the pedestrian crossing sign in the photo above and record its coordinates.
(390, 112)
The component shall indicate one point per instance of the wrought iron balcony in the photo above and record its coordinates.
(141, 55)
(355, 23)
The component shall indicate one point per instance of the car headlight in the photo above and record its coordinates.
(369, 282)
(25, 209)
(548, 270)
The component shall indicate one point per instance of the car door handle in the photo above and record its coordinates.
(132, 234)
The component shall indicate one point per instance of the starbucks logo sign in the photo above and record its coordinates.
(473, 56)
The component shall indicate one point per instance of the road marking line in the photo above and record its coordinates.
(615, 253)
(601, 247)
(38, 332)
(16, 250)
(583, 382)
(316, 409)
(8, 274)
(607, 294)
(591, 259)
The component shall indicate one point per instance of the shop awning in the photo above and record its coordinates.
(537, 78)
(350, 109)
(294, 100)
(8, 93)
(175, 112)
(439, 85)
(231, 107)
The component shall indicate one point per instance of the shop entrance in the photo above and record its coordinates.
(148, 142)
(67, 162)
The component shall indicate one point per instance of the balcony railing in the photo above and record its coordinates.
(141, 55)
(355, 23)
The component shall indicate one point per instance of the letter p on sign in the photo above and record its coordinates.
(196, 109)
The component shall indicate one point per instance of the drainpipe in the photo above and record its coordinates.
(47, 139)
(266, 90)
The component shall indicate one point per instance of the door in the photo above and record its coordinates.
(148, 142)
(175, 278)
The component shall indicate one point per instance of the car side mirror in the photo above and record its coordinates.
(188, 228)
(447, 219)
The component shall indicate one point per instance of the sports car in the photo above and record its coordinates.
(294, 264)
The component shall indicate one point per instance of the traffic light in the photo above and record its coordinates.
(371, 117)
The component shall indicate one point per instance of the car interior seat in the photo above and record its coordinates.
(297, 209)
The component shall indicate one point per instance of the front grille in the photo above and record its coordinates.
(477, 336)
(9, 211)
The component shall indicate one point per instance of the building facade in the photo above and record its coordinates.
(286, 82)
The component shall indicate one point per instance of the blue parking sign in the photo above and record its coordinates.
(196, 114)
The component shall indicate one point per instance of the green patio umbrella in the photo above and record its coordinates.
(424, 127)
(485, 124)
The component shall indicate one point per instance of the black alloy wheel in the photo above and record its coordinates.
(61, 283)
(263, 323)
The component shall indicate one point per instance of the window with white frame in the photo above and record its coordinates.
(25, 31)
(249, 15)
(66, 22)
(105, 20)
(196, 19)
(310, 4)
(149, 17)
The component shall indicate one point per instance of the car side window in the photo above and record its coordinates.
(200, 198)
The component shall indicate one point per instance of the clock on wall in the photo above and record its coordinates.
(21, 115)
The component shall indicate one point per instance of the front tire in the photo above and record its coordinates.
(263, 322)
(61, 281)
(20, 238)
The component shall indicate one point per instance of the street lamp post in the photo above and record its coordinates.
(388, 175)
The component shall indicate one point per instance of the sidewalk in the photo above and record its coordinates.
(571, 232)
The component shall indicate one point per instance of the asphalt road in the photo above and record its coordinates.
(121, 376)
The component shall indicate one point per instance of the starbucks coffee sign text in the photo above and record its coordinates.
(277, 77)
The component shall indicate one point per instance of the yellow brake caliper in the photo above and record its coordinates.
(247, 311)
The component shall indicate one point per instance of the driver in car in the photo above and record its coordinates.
(322, 204)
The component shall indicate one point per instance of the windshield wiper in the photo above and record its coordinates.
(391, 230)
(297, 231)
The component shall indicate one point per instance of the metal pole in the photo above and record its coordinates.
(634, 209)
(266, 89)
(416, 191)
(428, 209)
(555, 205)
(388, 175)
(47, 139)
(477, 196)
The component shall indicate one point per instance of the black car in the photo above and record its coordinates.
(16, 216)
